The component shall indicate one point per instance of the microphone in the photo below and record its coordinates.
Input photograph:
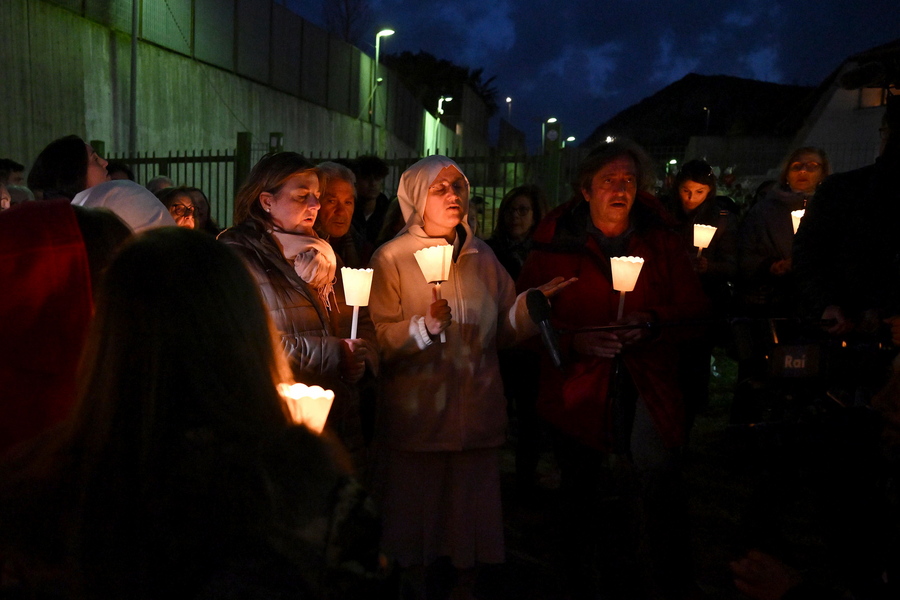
(539, 311)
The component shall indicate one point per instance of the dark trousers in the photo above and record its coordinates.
(624, 519)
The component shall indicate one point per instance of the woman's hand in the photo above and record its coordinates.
(356, 354)
(438, 317)
(556, 285)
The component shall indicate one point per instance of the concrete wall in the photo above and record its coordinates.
(69, 74)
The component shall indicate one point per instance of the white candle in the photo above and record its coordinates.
(703, 235)
(309, 405)
(625, 271)
(435, 264)
(796, 217)
(357, 285)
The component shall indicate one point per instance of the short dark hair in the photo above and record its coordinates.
(115, 166)
(370, 166)
(8, 167)
(606, 153)
(60, 169)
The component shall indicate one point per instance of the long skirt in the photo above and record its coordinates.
(438, 504)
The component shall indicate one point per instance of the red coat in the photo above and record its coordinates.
(575, 400)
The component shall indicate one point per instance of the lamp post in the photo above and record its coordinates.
(509, 109)
(378, 36)
(568, 140)
(706, 108)
(440, 111)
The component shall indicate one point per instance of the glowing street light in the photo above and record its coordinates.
(508, 109)
(441, 103)
(552, 120)
(376, 80)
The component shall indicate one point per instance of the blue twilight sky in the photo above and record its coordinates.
(583, 61)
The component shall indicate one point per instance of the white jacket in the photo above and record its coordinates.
(443, 397)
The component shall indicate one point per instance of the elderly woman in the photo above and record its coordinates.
(274, 213)
(442, 417)
(767, 235)
(65, 167)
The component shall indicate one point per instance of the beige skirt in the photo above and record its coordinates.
(438, 504)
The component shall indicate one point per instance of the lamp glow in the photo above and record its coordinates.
(625, 271)
(435, 263)
(309, 405)
(796, 217)
(703, 235)
(357, 285)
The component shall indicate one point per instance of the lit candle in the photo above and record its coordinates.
(309, 405)
(703, 235)
(625, 271)
(435, 264)
(357, 284)
(796, 217)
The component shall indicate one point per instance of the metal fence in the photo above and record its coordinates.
(213, 171)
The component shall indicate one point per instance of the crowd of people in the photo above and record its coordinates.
(148, 448)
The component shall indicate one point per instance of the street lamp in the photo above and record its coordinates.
(568, 140)
(441, 104)
(707, 119)
(509, 109)
(375, 80)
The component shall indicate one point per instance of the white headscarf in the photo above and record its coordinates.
(132, 203)
(413, 190)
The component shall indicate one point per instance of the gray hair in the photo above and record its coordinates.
(331, 170)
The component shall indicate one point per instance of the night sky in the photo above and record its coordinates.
(584, 61)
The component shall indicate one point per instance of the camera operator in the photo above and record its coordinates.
(847, 249)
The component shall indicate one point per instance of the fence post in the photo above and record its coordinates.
(242, 158)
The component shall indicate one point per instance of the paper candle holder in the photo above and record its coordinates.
(796, 217)
(357, 285)
(309, 405)
(625, 271)
(435, 262)
(703, 235)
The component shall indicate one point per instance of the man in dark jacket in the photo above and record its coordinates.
(618, 393)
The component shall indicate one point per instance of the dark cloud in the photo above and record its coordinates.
(583, 61)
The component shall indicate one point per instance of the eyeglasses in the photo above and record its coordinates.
(442, 188)
(520, 210)
(809, 167)
(180, 210)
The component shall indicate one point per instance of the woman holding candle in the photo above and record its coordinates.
(767, 235)
(297, 272)
(442, 417)
(696, 203)
(177, 480)
(618, 393)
